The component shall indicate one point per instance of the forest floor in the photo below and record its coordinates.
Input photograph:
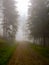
(25, 55)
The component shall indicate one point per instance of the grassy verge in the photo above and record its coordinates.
(41, 50)
(5, 51)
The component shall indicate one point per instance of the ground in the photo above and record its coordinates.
(25, 55)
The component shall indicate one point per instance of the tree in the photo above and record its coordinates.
(10, 19)
(38, 20)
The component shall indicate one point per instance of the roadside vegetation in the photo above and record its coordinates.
(6, 51)
(43, 51)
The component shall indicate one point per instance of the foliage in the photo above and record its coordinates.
(9, 19)
(39, 20)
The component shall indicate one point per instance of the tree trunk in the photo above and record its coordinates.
(44, 42)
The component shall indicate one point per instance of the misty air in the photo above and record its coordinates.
(24, 32)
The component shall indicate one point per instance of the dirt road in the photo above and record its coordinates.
(24, 55)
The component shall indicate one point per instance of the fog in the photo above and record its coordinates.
(22, 7)
(24, 32)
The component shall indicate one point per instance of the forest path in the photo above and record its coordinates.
(25, 55)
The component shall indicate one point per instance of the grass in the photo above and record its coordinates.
(5, 52)
(41, 50)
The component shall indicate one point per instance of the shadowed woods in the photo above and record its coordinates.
(29, 20)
